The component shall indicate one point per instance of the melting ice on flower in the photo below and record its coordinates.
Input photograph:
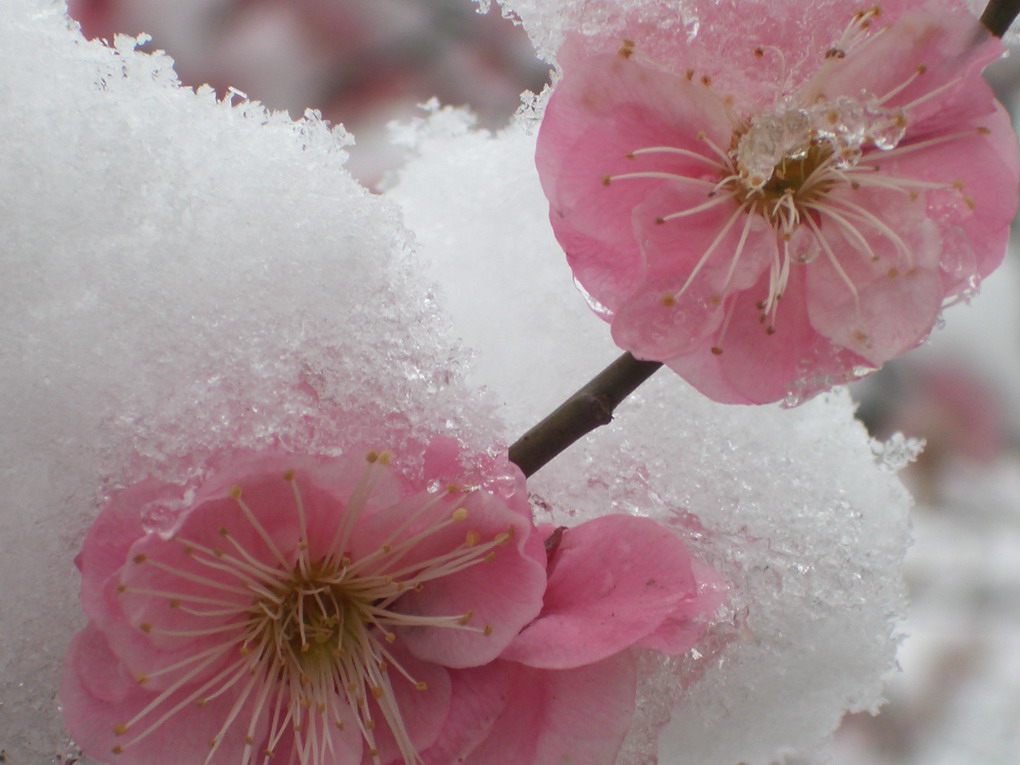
(312, 610)
(768, 236)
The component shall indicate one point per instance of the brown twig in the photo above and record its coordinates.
(580, 414)
(999, 14)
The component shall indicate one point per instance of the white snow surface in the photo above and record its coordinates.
(184, 276)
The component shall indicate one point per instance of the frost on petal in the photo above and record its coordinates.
(572, 715)
(613, 581)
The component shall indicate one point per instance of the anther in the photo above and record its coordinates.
(378, 692)
(459, 515)
(421, 686)
(288, 476)
(120, 729)
(716, 350)
(462, 621)
(139, 559)
(235, 492)
(668, 301)
(606, 180)
(488, 630)
(472, 538)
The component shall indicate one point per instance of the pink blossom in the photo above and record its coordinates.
(774, 217)
(308, 610)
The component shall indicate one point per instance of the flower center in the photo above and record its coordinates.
(306, 646)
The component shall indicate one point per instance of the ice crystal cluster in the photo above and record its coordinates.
(184, 275)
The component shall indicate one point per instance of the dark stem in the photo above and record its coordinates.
(999, 14)
(580, 414)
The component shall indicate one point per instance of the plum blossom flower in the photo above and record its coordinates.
(313, 611)
(773, 218)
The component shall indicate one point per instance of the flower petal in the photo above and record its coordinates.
(594, 121)
(94, 707)
(564, 716)
(613, 581)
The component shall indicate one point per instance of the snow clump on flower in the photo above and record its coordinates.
(776, 219)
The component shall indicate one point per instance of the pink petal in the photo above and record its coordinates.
(896, 292)
(613, 581)
(109, 538)
(682, 302)
(94, 707)
(756, 367)
(683, 628)
(564, 716)
(502, 594)
(423, 712)
(948, 43)
(975, 217)
(479, 696)
(594, 120)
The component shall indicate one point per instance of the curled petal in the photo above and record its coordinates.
(614, 581)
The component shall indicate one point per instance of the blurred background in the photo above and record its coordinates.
(365, 63)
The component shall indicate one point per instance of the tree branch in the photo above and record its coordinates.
(999, 14)
(580, 414)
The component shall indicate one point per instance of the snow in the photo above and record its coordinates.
(184, 275)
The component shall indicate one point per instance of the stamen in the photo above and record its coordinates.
(711, 248)
(920, 145)
(700, 208)
(835, 263)
(235, 494)
(682, 152)
(932, 94)
(904, 85)
(661, 176)
(737, 252)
